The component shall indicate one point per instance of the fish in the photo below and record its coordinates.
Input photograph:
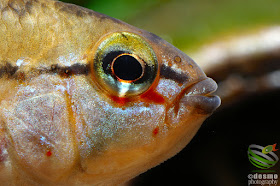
(269, 148)
(87, 99)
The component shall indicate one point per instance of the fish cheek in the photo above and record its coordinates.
(113, 138)
(130, 148)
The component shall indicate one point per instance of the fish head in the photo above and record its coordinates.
(145, 101)
(106, 103)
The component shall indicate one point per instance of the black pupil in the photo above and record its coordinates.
(127, 68)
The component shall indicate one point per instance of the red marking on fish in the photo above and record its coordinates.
(153, 96)
(48, 153)
(156, 131)
(120, 100)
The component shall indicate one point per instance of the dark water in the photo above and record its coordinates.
(217, 156)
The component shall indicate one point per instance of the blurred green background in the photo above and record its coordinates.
(189, 23)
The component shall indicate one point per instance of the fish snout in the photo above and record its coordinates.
(199, 96)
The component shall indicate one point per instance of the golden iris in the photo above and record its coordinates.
(124, 64)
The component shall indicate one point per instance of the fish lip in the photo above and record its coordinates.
(199, 95)
(205, 87)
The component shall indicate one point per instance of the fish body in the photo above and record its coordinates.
(269, 148)
(72, 113)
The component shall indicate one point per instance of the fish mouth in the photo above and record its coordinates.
(199, 95)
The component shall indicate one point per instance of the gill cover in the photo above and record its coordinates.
(124, 64)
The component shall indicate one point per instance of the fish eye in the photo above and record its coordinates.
(124, 64)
